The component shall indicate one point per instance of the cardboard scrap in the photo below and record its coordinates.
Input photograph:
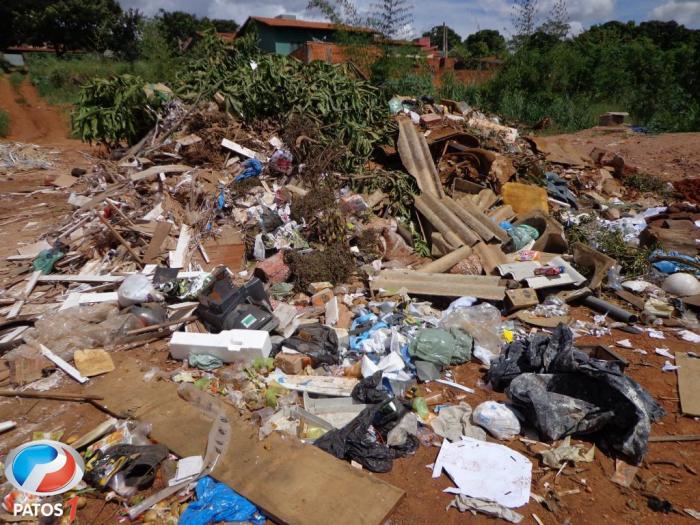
(288, 481)
(93, 361)
(64, 181)
(689, 383)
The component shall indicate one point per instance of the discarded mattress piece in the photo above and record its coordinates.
(563, 391)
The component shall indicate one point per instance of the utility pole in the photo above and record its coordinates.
(444, 40)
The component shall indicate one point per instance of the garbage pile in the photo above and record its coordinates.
(333, 308)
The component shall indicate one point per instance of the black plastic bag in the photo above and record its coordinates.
(317, 341)
(364, 438)
(369, 390)
(563, 391)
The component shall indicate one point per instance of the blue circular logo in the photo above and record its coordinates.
(44, 467)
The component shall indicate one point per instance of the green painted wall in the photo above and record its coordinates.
(284, 40)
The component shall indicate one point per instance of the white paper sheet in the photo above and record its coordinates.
(486, 471)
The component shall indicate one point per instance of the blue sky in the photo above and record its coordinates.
(464, 16)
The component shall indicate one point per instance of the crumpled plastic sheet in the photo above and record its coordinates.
(482, 322)
(674, 266)
(79, 327)
(498, 418)
(554, 457)
(565, 392)
(465, 503)
(217, 502)
(558, 189)
(364, 438)
(443, 347)
(454, 421)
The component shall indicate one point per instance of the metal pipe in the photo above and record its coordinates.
(605, 307)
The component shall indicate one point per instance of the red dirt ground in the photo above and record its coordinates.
(669, 156)
(598, 500)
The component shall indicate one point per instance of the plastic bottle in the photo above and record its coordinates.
(421, 407)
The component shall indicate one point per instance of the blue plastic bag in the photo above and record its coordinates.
(218, 502)
(253, 168)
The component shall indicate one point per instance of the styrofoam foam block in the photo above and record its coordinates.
(231, 346)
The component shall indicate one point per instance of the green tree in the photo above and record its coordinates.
(224, 26)
(71, 24)
(485, 42)
(557, 22)
(179, 28)
(393, 18)
(435, 34)
(122, 35)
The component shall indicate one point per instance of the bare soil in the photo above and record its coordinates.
(669, 156)
(31, 118)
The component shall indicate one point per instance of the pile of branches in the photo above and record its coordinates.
(346, 109)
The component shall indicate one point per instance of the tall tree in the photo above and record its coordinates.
(557, 22)
(485, 42)
(524, 16)
(435, 34)
(122, 35)
(393, 18)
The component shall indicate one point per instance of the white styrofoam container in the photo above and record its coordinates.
(231, 346)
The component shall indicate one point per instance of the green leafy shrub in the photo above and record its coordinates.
(347, 110)
(112, 110)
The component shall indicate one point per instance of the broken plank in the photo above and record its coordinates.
(154, 247)
(63, 365)
(154, 171)
(242, 150)
(17, 307)
(289, 481)
(438, 284)
(90, 279)
(176, 258)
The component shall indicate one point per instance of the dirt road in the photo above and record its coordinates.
(31, 119)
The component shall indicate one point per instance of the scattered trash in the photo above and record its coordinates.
(302, 283)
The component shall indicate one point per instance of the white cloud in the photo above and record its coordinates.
(682, 11)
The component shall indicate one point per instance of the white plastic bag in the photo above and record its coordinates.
(136, 289)
(497, 418)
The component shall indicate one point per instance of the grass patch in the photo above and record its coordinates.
(643, 182)
(4, 123)
(58, 80)
(16, 79)
(634, 260)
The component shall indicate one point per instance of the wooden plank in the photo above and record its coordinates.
(91, 279)
(689, 384)
(291, 482)
(177, 257)
(440, 284)
(161, 233)
(17, 307)
(154, 171)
